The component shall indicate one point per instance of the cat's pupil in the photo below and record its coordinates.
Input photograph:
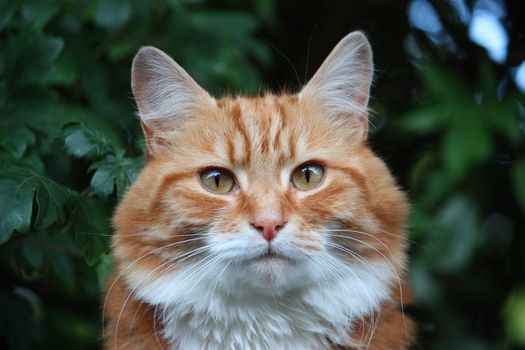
(307, 174)
(217, 179)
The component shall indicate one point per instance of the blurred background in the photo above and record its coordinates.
(449, 120)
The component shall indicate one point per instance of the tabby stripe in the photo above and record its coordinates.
(236, 117)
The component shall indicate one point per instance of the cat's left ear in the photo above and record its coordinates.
(165, 95)
(341, 86)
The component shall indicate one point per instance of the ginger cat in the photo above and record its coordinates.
(259, 222)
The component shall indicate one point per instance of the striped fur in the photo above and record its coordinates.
(187, 270)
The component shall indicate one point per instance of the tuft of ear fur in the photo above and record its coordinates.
(164, 93)
(341, 86)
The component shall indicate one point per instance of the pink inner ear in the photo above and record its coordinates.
(153, 141)
(360, 125)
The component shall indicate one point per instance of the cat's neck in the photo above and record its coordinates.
(307, 318)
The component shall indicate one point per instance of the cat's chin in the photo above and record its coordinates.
(270, 266)
(271, 274)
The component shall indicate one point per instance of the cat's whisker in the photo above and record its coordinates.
(392, 256)
(287, 60)
(345, 267)
(362, 233)
(218, 278)
(390, 262)
(132, 323)
(382, 231)
(213, 260)
(130, 266)
(375, 315)
(336, 266)
(155, 332)
(206, 268)
(331, 265)
(140, 282)
(398, 278)
(192, 271)
(170, 261)
(315, 263)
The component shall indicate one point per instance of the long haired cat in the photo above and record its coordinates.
(259, 223)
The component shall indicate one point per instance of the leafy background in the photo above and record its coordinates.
(449, 120)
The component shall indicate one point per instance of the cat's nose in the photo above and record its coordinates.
(268, 228)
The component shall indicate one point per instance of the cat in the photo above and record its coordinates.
(259, 222)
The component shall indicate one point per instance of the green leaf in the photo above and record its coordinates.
(98, 130)
(81, 140)
(22, 183)
(91, 228)
(103, 181)
(52, 201)
(78, 144)
(16, 205)
(114, 171)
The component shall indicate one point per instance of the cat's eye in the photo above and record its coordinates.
(217, 180)
(308, 176)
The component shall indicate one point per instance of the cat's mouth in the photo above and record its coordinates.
(271, 255)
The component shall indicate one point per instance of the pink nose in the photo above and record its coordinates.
(268, 228)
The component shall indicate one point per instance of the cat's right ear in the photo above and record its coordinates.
(341, 86)
(165, 94)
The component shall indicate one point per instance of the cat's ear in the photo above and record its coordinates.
(341, 86)
(165, 94)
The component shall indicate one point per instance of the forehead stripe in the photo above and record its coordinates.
(235, 113)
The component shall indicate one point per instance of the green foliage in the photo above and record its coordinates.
(514, 314)
(465, 216)
(70, 144)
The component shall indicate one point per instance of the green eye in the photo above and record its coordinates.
(307, 177)
(217, 180)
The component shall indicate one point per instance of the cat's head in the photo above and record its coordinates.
(266, 194)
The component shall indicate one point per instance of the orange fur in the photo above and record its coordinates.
(162, 211)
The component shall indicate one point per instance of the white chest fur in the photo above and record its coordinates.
(206, 314)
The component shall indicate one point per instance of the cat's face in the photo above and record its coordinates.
(265, 194)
